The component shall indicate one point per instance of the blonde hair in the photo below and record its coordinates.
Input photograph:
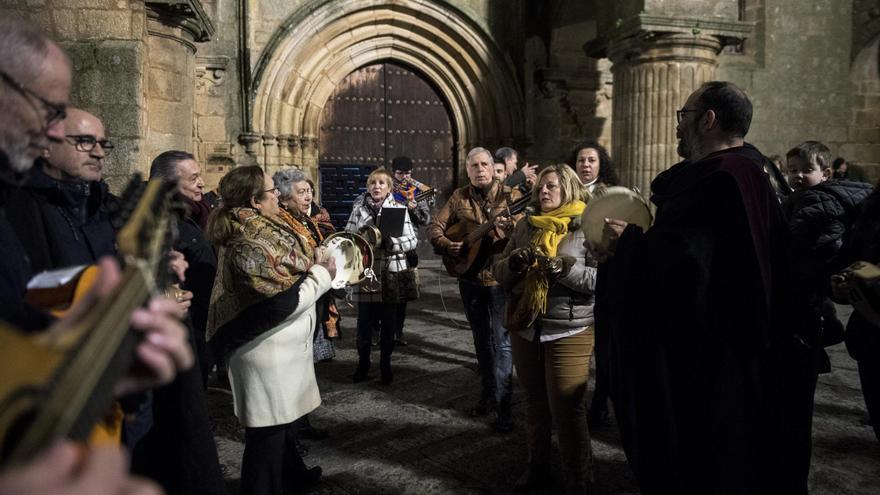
(377, 173)
(569, 185)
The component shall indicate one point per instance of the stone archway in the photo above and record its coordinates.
(314, 50)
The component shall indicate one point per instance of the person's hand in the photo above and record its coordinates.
(521, 259)
(164, 350)
(530, 171)
(556, 267)
(67, 469)
(455, 248)
(183, 297)
(503, 223)
(324, 258)
(841, 285)
(177, 265)
(610, 235)
(411, 204)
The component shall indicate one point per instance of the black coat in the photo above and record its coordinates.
(62, 223)
(15, 272)
(698, 307)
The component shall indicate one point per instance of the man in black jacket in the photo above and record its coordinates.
(35, 79)
(695, 351)
(62, 214)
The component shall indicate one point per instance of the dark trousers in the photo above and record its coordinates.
(400, 318)
(483, 307)
(379, 316)
(869, 375)
(270, 462)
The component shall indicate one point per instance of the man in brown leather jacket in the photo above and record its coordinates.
(469, 207)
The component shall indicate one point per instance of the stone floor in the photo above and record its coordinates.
(416, 437)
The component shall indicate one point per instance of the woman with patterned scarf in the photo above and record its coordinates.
(550, 278)
(262, 316)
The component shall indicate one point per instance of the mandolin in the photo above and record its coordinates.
(478, 246)
(57, 385)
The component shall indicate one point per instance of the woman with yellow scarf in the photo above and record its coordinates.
(550, 278)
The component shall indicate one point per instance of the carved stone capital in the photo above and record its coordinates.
(269, 140)
(248, 140)
(186, 15)
(210, 74)
(645, 27)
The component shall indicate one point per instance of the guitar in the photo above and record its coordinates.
(478, 246)
(57, 385)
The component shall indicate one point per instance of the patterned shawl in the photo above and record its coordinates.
(260, 261)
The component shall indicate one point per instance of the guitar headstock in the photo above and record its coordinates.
(150, 210)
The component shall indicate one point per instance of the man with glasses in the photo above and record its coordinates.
(695, 355)
(35, 79)
(61, 214)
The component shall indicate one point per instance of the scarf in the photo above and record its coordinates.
(261, 261)
(550, 228)
(198, 210)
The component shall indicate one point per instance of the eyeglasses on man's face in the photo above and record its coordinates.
(54, 112)
(87, 142)
(679, 114)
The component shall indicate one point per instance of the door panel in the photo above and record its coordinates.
(377, 113)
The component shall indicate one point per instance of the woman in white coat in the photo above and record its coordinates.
(262, 316)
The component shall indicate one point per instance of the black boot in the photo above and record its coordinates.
(362, 373)
(385, 369)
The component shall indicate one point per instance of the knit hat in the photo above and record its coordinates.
(401, 163)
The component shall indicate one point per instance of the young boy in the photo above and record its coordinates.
(820, 212)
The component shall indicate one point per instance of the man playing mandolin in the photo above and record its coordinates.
(482, 206)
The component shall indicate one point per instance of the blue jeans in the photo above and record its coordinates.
(483, 307)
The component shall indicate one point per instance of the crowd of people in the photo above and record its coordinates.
(708, 329)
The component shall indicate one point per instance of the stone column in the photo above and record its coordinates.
(309, 147)
(653, 76)
(173, 28)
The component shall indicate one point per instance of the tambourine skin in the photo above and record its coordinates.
(355, 257)
(616, 202)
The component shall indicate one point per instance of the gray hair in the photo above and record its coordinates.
(285, 179)
(476, 151)
(23, 48)
(505, 152)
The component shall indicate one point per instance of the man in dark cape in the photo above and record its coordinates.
(703, 365)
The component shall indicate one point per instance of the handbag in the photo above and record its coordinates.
(400, 286)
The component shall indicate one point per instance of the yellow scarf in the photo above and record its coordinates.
(551, 228)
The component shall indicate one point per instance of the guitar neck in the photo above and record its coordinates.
(484, 228)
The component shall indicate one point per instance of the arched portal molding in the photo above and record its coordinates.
(316, 49)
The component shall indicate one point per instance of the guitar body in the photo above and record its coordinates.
(473, 255)
(59, 383)
(59, 300)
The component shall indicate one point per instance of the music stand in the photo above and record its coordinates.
(391, 222)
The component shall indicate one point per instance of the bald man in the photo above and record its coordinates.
(61, 214)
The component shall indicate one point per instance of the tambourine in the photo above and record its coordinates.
(354, 258)
(616, 202)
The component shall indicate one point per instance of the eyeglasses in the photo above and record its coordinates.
(55, 112)
(87, 143)
(679, 114)
(274, 191)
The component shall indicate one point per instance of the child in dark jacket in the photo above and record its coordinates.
(821, 212)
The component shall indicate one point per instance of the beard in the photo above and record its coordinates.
(687, 144)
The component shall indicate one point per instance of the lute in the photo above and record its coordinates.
(477, 245)
(58, 384)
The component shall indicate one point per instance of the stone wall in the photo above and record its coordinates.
(863, 143)
(796, 74)
(105, 42)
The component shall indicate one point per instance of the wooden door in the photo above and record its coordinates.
(377, 113)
